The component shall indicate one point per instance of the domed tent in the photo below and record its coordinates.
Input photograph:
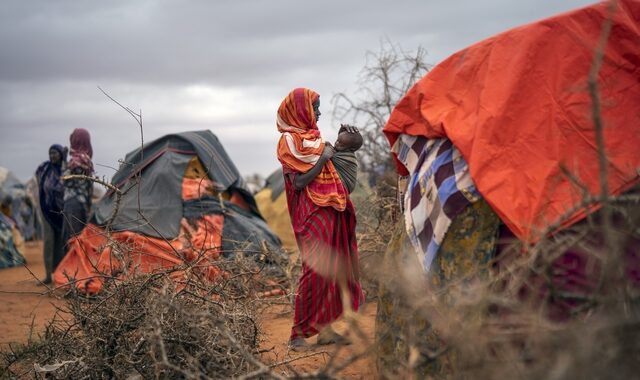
(11, 244)
(518, 108)
(182, 200)
(17, 205)
(272, 202)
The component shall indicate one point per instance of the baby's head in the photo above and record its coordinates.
(348, 142)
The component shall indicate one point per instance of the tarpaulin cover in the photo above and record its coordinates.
(151, 180)
(91, 254)
(183, 202)
(23, 213)
(275, 182)
(519, 108)
(242, 230)
(11, 244)
(276, 211)
(209, 227)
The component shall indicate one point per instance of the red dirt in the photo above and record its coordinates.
(23, 302)
(276, 327)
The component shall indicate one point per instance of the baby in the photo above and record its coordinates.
(344, 159)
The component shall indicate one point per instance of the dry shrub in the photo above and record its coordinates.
(147, 327)
(527, 319)
(377, 213)
(168, 324)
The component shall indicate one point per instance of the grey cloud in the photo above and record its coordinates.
(226, 42)
(148, 54)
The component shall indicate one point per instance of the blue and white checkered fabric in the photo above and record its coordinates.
(439, 188)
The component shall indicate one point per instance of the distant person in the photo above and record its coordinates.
(344, 158)
(323, 221)
(77, 192)
(51, 195)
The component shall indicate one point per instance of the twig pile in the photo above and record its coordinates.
(143, 327)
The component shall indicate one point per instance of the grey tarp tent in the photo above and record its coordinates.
(23, 212)
(151, 181)
(10, 255)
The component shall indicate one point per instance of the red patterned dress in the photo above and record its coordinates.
(329, 255)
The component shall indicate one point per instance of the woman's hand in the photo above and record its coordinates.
(348, 128)
(328, 151)
(303, 180)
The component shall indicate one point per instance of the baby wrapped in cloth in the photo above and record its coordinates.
(344, 159)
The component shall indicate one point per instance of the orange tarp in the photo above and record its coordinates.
(89, 257)
(518, 107)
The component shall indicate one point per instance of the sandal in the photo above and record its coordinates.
(298, 344)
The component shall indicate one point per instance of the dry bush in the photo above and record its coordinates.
(174, 323)
(376, 211)
(385, 78)
(143, 327)
(525, 319)
(149, 326)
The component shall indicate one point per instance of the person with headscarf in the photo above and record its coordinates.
(323, 220)
(51, 195)
(77, 191)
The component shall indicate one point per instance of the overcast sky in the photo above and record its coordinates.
(218, 65)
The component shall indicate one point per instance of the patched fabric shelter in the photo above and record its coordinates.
(18, 205)
(519, 108)
(183, 200)
(11, 244)
(272, 202)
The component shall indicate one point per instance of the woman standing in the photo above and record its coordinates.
(51, 195)
(323, 220)
(77, 192)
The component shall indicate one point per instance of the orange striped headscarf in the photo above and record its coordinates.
(301, 145)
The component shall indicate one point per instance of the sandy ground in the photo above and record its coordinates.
(23, 301)
(357, 357)
(26, 307)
